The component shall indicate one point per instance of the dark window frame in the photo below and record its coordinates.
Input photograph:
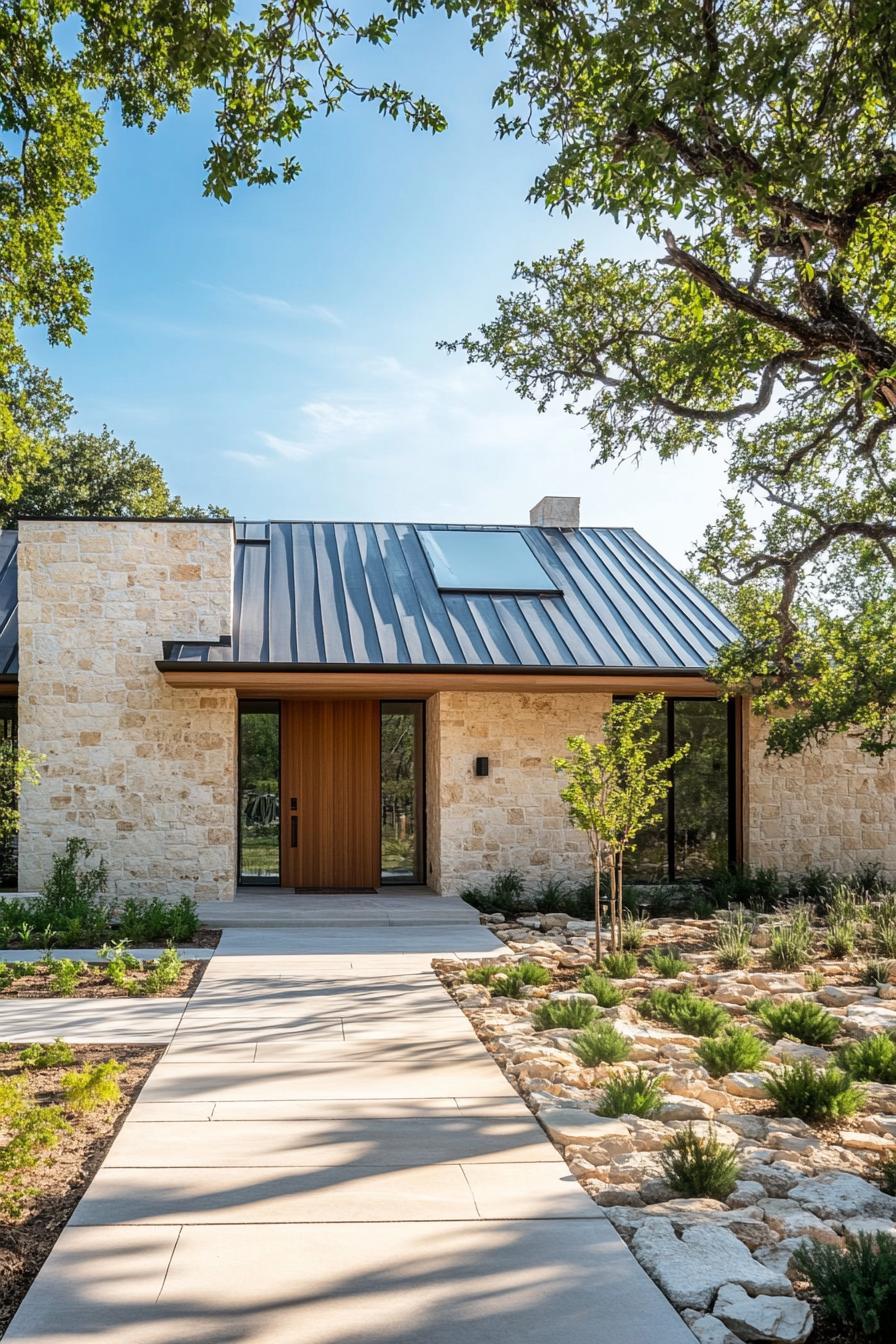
(255, 707)
(733, 744)
(419, 876)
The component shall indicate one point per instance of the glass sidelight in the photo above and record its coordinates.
(259, 807)
(401, 791)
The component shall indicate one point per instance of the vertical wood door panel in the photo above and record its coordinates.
(330, 765)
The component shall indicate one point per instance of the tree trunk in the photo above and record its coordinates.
(613, 930)
(598, 949)
(618, 859)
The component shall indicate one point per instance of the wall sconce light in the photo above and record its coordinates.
(481, 765)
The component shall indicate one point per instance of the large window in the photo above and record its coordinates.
(401, 791)
(9, 849)
(259, 810)
(696, 835)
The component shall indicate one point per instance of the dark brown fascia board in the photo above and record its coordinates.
(427, 669)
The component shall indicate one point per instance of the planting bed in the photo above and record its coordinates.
(63, 1171)
(93, 983)
(730, 1263)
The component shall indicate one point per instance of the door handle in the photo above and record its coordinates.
(293, 832)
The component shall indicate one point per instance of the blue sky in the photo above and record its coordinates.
(277, 355)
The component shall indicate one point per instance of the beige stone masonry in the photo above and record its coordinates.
(144, 771)
(832, 806)
(514, 817)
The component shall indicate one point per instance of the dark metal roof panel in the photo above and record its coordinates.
(363, 595)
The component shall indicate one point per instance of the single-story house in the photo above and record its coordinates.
(343, 705)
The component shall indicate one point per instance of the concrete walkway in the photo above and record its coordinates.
(327, 1155)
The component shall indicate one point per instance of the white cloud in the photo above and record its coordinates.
(284, 447)
(248, 459)
(271, 303)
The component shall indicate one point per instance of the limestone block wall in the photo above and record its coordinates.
(832, 806)
(513, 818)
(144, 771)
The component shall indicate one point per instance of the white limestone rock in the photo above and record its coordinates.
(568, 1125)
(780, 1256)
(710, 1330)
(692, 1268)
(684, 1108)
(788, 1052)
(744, 1194)
(781, 1320)
(854, 1227)
(745, 1084)
(838, 1196)
(790, 1220)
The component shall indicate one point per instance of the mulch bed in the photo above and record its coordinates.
(93, 984)
(63, 1176)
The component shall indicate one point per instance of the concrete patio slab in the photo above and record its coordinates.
(409, 1283)
(102, 1021)
(367, 1175)
(395, 1143)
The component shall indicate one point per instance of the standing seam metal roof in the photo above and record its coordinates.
(364, 595)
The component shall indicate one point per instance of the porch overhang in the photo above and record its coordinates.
(403, 682)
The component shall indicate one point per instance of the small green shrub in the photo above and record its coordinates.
(484, 974)
(93, 1086)
(733, 1050)
(533, 973)
(855, 1283)
(876, 972)
(20, 969)
(868, 878)
(632, 1093)
(65, 975)
(165, 972)
(807, 1093)
(621, 965)
(844, 905)
(883, 926)
(40, 1056)
(840, 939)
(872, 1060)
(569, 1013)
(814, 980)
(634, 929)
(72, 901)
(600, 1043)
(506, 889)
(685, 1010)
(603, 989)
(758, 888)
(699, 1168)
(666, 962)
(791, 939)
(732, 939)
(183, 920)
(800, 1019)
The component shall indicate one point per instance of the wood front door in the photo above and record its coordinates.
(330, 794)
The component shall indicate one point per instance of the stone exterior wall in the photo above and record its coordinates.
(512, 818)
(833, 806)
(145, 771)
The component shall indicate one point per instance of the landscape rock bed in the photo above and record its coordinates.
(727, 1265)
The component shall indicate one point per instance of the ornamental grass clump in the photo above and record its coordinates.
(633, 930)
(635, 1092)
(512, 981)
(804, 1092)
(699, 1167)
(732, 939)
(877, 972)
(621, 965)
(569, 1013)
(855, 1283)
(872, 1060)
(602, 988)
(840, 939)
(799, 1019)
(883, 927)
(791, 939)
(600, 1043)
(484, 974)
(734, 1050)
(666, 962)
(686, 1011)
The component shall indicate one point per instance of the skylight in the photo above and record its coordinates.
(468, 561)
